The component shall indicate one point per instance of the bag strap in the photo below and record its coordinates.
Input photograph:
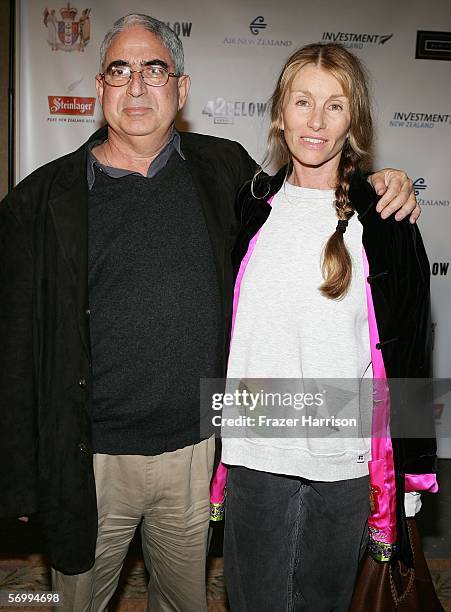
(411, 570)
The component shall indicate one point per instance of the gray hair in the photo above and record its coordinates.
(169, 39)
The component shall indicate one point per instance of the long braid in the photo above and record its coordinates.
(336, 265)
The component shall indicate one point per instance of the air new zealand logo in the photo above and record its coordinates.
(419, 184)
(257, 24)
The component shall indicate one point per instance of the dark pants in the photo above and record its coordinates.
(293, 544)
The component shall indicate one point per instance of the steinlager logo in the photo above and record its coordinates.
(71, 105)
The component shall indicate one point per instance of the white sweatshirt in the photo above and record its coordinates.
(285, 328)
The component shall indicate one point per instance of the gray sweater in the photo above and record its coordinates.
(155, 313)
(285, 328)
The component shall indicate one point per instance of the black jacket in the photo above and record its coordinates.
(399, 278)
(45, 367)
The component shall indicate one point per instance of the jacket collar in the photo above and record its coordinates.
(69, 188)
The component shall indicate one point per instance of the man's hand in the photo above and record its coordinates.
(397, 193)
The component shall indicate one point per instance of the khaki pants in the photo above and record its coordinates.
(170, 492)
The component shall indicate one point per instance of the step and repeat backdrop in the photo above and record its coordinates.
(233, 52)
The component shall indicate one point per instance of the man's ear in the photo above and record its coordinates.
(99, 88)
(184, 83)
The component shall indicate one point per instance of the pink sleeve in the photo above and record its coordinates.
(217, 493)
(421, 482)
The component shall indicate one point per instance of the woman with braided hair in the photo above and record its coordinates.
(325, 289)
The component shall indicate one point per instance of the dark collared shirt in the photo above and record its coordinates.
(158, 163)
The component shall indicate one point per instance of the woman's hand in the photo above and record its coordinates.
(397, 193)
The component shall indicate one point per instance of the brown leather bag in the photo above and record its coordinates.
(387, 587)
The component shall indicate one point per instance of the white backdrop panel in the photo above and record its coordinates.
(233, 53)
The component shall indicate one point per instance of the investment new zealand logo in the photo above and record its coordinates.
(356, 40)
(409, 119)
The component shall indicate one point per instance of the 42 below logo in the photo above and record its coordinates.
(224, 111)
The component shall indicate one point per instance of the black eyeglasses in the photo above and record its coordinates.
(153, 75)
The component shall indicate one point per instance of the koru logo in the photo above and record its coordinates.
(257, 24)
(418, 185)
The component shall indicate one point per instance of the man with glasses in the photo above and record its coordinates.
(115, 301)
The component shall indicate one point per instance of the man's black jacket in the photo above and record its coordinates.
(45, 369)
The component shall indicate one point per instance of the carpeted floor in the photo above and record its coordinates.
(21, 571)
(30, 573)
